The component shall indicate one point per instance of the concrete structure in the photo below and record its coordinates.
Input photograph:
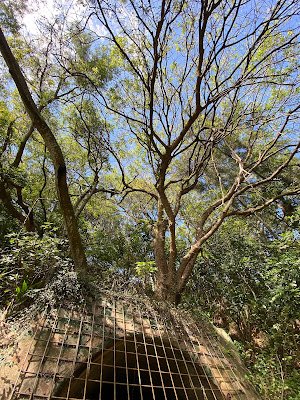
(128, 349)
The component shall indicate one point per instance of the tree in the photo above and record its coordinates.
(56, 154)
(54, 101)
(208, 103)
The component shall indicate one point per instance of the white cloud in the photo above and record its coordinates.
(38, 10)
(49, 11)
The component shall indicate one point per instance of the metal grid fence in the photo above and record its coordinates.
(121, 351)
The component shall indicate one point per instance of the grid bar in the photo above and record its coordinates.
(125, 349)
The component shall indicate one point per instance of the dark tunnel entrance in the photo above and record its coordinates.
(141, 368)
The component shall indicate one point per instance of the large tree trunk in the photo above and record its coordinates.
(171, 285)
(55, 152)
(170, 282)
(167, 287)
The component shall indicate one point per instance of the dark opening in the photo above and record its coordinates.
(141, 369)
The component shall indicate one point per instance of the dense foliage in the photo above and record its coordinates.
(249, 283)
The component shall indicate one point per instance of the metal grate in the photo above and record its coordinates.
(126, 352)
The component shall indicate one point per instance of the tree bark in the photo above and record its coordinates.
(170, 284)
(76, 247)
(167, 287)
(6, 199)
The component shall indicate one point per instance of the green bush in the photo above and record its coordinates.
(28, 263)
